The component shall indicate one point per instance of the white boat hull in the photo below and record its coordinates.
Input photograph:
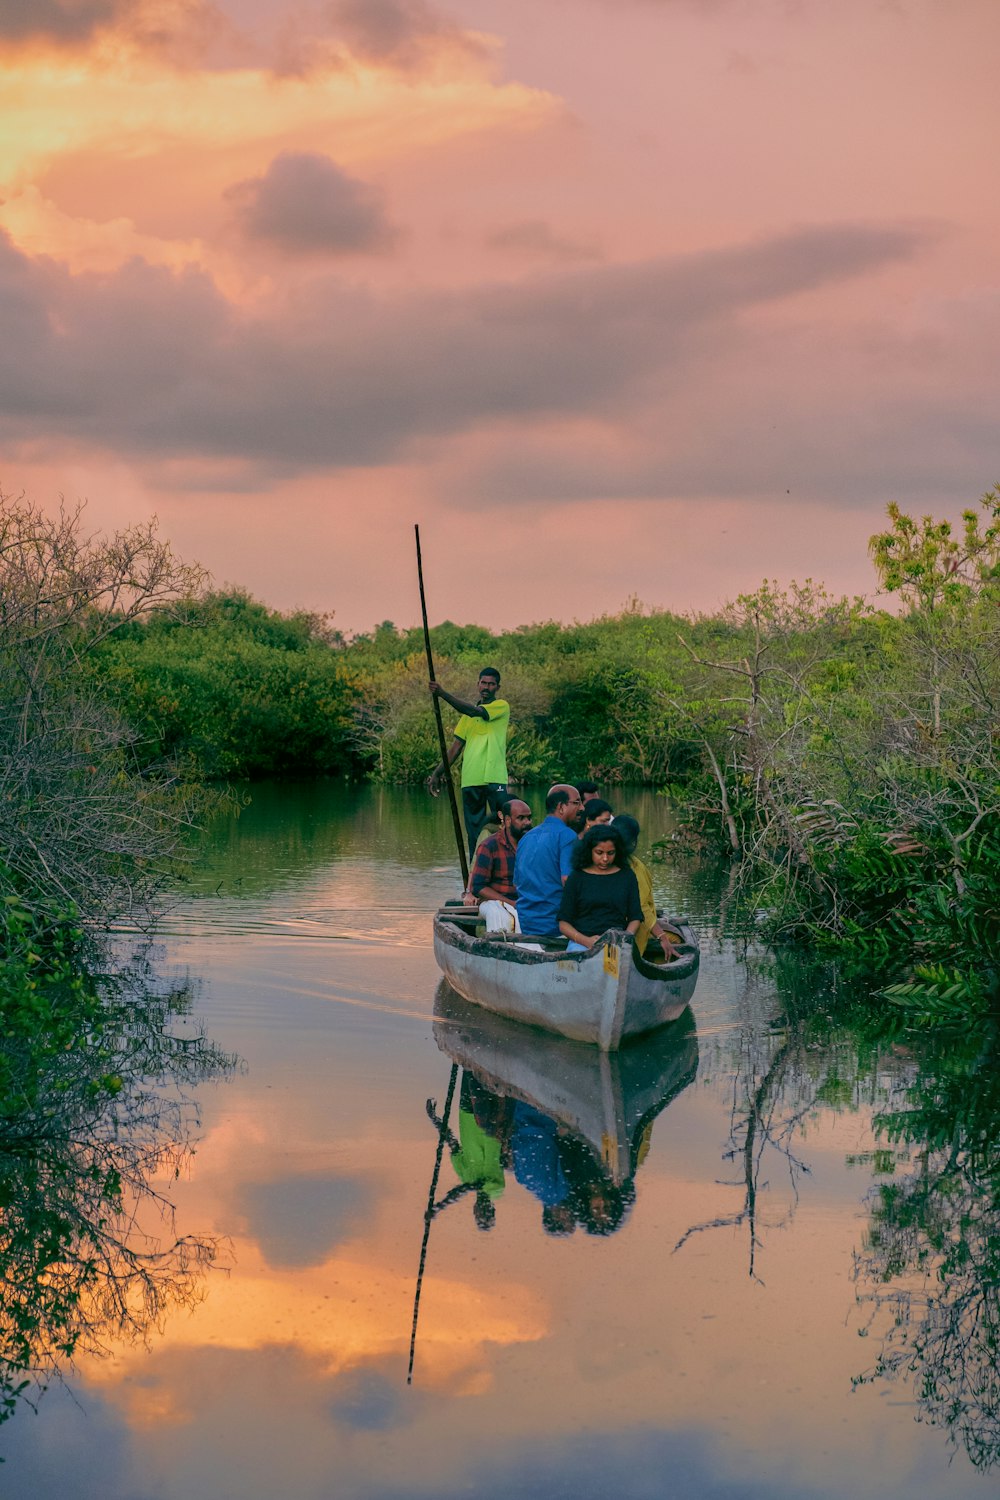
(602, 996)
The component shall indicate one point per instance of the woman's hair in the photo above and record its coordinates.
(594, 806)
(629, 829)
(601, 833)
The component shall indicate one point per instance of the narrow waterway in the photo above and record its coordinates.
(769, 1269)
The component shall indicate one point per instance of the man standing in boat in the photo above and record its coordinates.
(481, 733)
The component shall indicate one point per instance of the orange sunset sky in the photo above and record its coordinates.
(614, 297)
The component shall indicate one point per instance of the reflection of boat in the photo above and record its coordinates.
(602, 996)
(608, 1101)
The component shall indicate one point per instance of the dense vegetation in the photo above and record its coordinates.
(843, 756)
(229, 688)
(92, 1071)
(84, 823)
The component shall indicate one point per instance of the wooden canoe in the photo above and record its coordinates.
(605, 1099)
(603, 996)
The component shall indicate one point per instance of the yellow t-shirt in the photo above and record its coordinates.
(484, 760)
(645, 882)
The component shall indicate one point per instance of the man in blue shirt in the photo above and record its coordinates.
(544, 859)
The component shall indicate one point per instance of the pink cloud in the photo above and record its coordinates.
(151, 362)
(306, 204)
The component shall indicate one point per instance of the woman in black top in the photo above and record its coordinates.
(600, 891)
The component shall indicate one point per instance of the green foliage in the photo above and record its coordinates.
(929, 1270)
(44, 999)
(235, 689)
(585, 699)
(92, 1106)
(81, 824)
(930, 567)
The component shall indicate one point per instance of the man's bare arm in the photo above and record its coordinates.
(472, 710)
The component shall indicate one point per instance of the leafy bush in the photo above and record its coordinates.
(246, 692)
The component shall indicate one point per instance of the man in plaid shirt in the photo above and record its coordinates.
(492, 876)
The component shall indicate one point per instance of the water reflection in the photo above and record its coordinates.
(929, 1270)
(88, 1136)
(809, 1047)
(572, 1123)
(285, 832)
(563, 1349)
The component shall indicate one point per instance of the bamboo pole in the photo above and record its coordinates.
(459, 838)
(428, 1217)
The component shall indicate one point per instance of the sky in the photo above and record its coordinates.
(615, 298)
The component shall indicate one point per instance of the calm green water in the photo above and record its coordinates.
(755, 1256)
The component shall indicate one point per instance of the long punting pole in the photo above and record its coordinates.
(428, 1216)
(460, 841)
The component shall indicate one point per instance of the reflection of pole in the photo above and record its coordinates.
(440, 726)
(428, 1216)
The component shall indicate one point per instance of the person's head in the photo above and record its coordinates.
(629, 829)
(489, 684)
(587, 789)
(515, 816)
(603, 1207)
(484, 1211)
(596, 810)
(563, 802)
(601, 848)
(558, 1218)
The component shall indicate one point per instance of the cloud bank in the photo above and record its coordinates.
(674, 376)
(158, 363)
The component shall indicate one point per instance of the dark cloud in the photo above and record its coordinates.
(306, 204)
(639, 1465)
(299, 1221)
(679, 357)
(184, 31)
(537, 237)
(398, 33)
(370, 1400)
(65, 21)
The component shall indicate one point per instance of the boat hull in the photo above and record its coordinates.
(605, 1099)
(603, 996)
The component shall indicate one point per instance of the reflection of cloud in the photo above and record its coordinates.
(343, 1315)
(297, 1221)
(638, 1466)
(370, 1401)
(305, 203)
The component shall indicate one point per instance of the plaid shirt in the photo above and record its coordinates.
(494, 866)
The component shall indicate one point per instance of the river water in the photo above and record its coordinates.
(712, 1270)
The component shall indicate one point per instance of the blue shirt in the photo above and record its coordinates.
(544, 858)
(534, 1149)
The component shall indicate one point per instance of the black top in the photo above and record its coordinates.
(593, 903)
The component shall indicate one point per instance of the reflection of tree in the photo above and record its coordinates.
(790, 1066)
(768, 1109)
(929, 1270)
(88, 1253)
(290, 831)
